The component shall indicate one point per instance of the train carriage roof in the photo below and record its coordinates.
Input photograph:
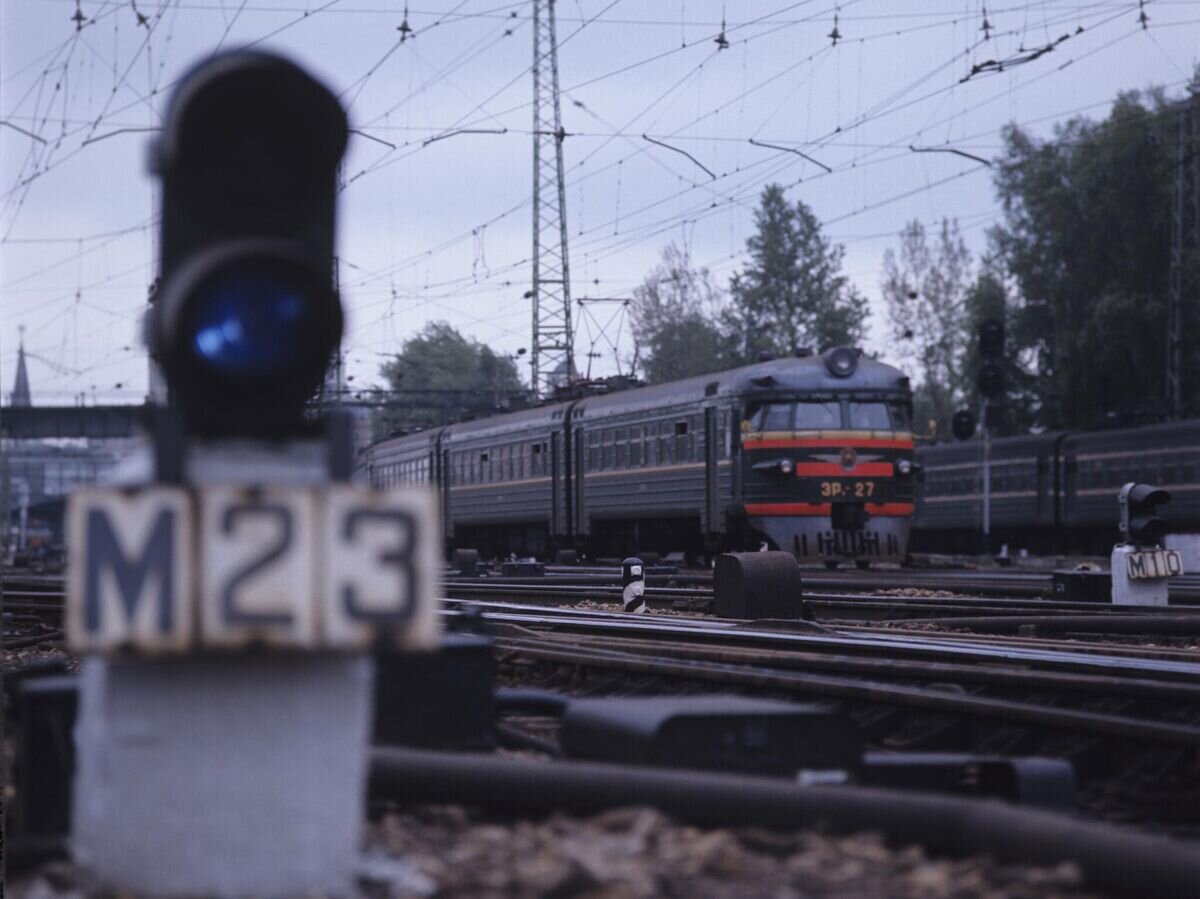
(788, 376)
(956, 452)
(1166, 435)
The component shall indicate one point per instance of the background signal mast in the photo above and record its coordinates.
(553, 342)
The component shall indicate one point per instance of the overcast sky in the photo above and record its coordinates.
(442, 230)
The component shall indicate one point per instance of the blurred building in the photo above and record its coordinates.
(37, 475)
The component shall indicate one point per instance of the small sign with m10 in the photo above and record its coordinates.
(1154, 563)
(166, 569)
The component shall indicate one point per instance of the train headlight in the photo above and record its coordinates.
(786, 466)
(904, 467)
(842, 362)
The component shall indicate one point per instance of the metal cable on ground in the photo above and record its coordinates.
(1176, 625)
(1123, 861)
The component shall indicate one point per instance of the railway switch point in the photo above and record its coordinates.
(1082, 585)
(633, 585)
(717, 732)
(465, 562)
(757, 585)
(440, 700)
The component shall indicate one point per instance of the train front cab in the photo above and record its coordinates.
(831, 477)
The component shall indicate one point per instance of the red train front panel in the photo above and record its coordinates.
(830, 494)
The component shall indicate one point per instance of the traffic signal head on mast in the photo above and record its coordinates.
(990, 378)
(247, 317)
(1140, 524)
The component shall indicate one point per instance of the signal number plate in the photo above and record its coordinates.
(165, 569)
(847, 489)
(1153, 564)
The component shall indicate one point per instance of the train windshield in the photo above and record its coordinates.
(802, 416)
(818, 416)
(869, 417)
(771, 417)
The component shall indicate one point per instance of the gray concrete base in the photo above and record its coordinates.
(220, 775)
(1147, 592)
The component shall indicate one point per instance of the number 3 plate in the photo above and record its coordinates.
(166, 569)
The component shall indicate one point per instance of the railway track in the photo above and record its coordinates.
(1130, 726)
(1127, 717)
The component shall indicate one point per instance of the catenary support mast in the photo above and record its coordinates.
(553, 355)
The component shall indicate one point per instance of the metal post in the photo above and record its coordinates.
(633, 584)
(1175, 274)
(987, 480)
(552, 357)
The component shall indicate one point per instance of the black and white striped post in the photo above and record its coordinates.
(633, 583)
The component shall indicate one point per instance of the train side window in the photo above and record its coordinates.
(901, 415)
(666, 453)
(635, 446)
(623, 448)
(819, 416)
(650, 445)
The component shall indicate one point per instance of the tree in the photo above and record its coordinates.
(1086, 237)
(675, 314)
(792, 293)
(439, 376)
(989, 298)
(926, 295)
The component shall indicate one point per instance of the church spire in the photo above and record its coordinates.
(20, 392)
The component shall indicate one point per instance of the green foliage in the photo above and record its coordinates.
(792, 293)
(925, 291)
(989, 298)
(1087, 238)
(675, 320)
(440, 376)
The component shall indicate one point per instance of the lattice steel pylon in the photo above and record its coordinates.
(1185, 237)
(553, 350)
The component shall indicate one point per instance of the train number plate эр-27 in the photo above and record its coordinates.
(846, 489)
(165, 569)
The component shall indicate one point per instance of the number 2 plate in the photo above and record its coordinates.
(166, 569)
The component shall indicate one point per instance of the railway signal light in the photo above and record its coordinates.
(247, 316)
(990, 378)
(963, 425)
(991, 338)
(1140, 524)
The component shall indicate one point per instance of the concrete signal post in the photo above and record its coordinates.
(1140, 565)
(227, 593)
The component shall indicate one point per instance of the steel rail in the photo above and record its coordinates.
(927, 699)
(990, 675)
(903, 644)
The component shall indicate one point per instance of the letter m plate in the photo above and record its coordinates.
(130, 570)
